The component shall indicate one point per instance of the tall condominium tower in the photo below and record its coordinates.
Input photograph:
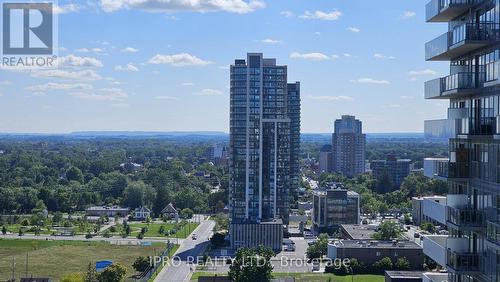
(348, 145)
(264, 149)
(472, 45)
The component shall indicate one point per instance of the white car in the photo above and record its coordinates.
(194, 237)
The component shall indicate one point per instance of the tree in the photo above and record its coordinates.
(141, 264)
(428, 226)
(74, 174)
(388, 230)
(218, 239)
(252, 264)
(318, 248)
(163, 198)
(187, 213)
(4, 230)
(91, 275)
(113, 273)
(402, 264)
(383, 265)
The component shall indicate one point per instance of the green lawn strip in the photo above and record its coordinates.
(309, 277)
(170, 254)
(54, 259)
(154, 229)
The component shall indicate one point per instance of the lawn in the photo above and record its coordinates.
(312, 277)
(154, 229)
(54, 259)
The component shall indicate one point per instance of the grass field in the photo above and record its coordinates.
(154, 229)
(55, 258)
(313, 277)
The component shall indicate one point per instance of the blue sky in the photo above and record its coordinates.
(163, 64)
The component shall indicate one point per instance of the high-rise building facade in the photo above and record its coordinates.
(348, 145)
(390, 173)
(264, 148)
(472, 45)
(325, 159)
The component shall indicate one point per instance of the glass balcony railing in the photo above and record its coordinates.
(462, 39)
(462, 262)
(466, 217)
(445, 10)
(458, 170)
(491, 73)
(463, 82)
(493, 232)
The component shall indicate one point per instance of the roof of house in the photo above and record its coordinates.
(103, 208)
(142, 209)
(169, 209)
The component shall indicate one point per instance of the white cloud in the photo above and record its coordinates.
(331, 98)
(287, 14)
(69, 75)
(59, 86)
(270, 41)
(315, 56)
(187, 84)
(129, 50)
(211, 92)
(201, 6)
(103, 94)
(226, 67)
(370, 81)
(408, 14)
(422, 72)
(75, 61)
(166, 97)
(178, 60)
(5, 82)
(38, 93)
(1, 94)
(354, 29)
(382, 56)
(317, 33)
(320, 15)
(89, 50)
(406, 97)
(128, 67)
(65, 9)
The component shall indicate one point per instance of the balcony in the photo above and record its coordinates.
(461, 40)
(446, 10)
(462, 262)
(434, 246)
(455, 85)
(493, 232)
(466, 218)
(458, 113)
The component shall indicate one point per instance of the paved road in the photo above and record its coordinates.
(181, 270)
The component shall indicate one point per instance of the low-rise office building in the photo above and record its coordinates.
(369, 252)
(106, 211)
(334, 207)
(251, 235)
(357, 231)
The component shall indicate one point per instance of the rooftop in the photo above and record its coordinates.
(374, 244)
(100, 208)
(404, 274)
(358, 231)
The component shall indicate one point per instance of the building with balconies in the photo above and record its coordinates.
(472, 45)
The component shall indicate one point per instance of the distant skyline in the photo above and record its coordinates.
(163, 66)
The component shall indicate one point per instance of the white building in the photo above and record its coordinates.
(436, 167)
(431, 209)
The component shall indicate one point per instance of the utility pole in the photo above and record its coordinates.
(13, 268)
(26, 273)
